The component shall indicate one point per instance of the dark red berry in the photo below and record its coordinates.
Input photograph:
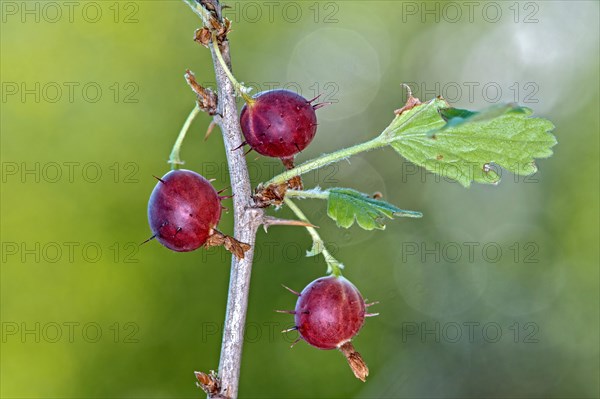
(279, 123)
(329, 312)
(183, 210)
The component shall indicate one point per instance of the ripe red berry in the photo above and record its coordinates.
(329, 312)
(279, 123)
(183, 210)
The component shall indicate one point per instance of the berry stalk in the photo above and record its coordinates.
(174, 158)
(333, 265)
(241, 89)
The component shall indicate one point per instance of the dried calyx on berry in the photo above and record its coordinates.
(329, 312)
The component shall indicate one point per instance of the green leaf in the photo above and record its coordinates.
(420, 119)
(345, 205)
(469, 146)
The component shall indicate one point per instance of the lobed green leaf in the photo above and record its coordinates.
(346, 205)
(469, 146)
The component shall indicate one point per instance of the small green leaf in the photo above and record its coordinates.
(466, 146)
(345, 205)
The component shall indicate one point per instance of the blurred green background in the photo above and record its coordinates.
(494, 293)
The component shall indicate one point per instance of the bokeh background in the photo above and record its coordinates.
(494, 293)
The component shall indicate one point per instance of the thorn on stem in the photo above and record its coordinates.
(269, 221)
(209, 130)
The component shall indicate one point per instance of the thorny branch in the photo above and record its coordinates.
(247, 218)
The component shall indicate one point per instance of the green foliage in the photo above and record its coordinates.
(345, 205)
(465, 145)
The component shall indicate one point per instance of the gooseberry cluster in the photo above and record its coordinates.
(184, 210)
